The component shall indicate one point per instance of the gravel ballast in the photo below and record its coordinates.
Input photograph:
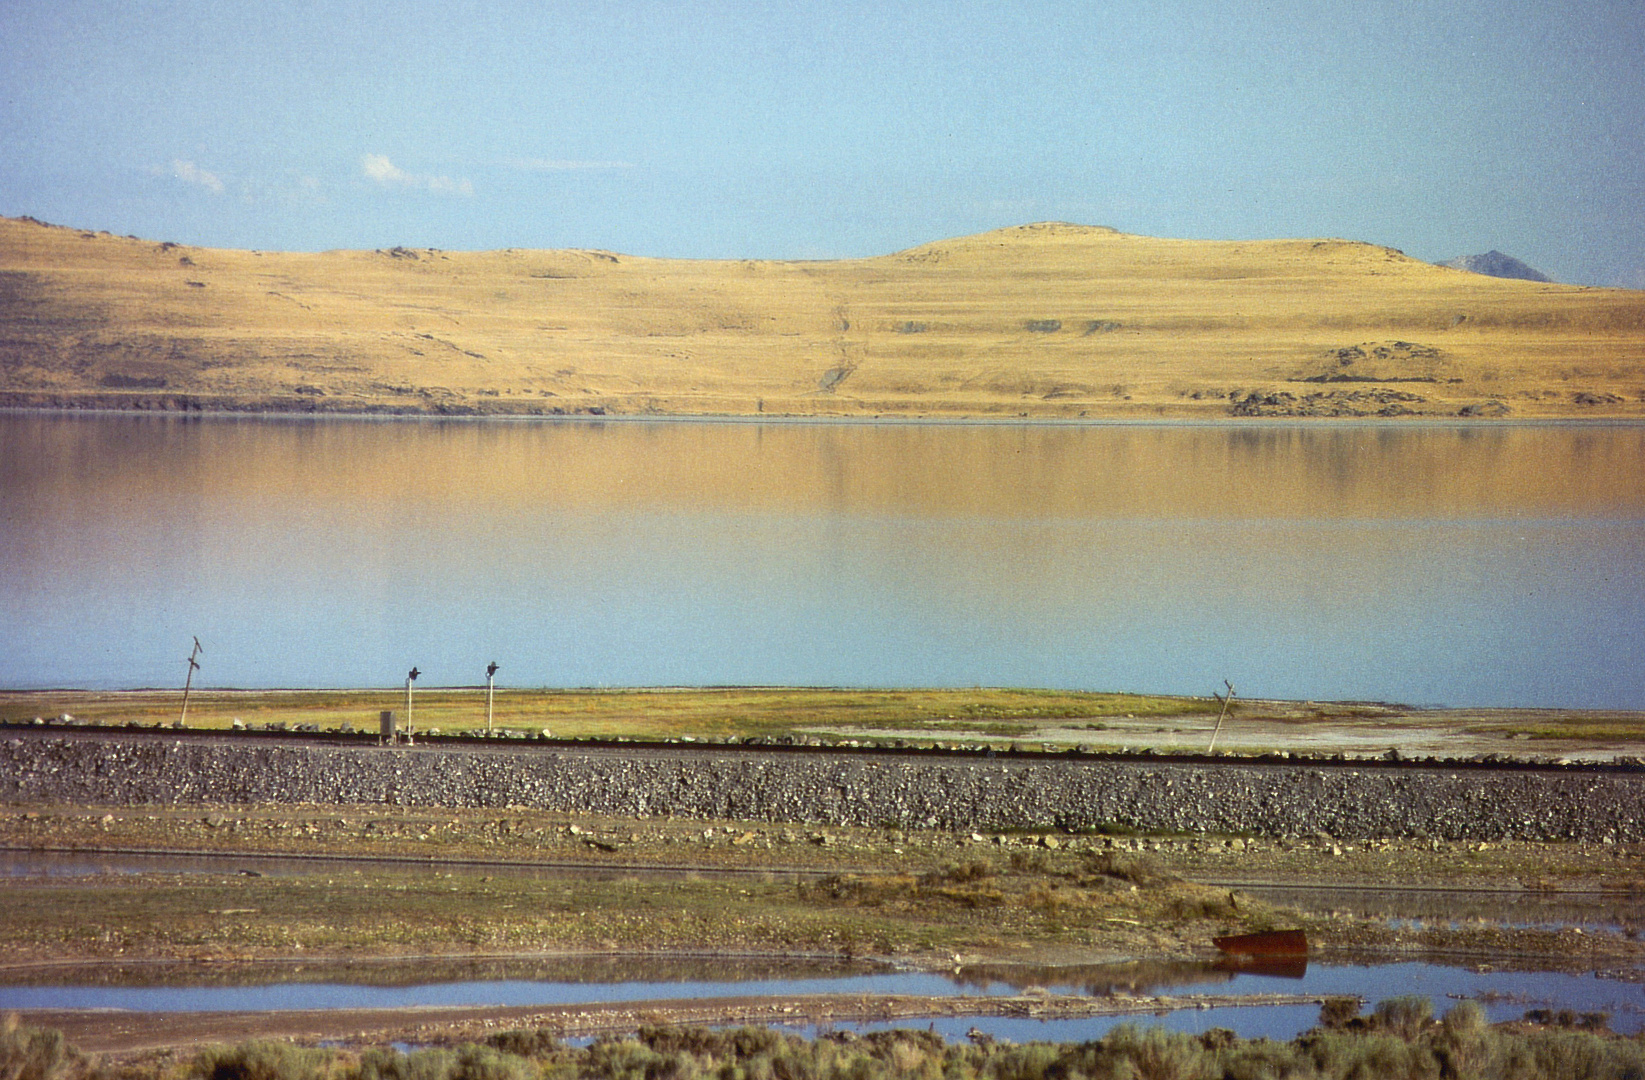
(1298, 798)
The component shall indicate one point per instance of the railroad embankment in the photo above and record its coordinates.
(1354, 800)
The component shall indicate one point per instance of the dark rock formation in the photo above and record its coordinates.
(1496, 264)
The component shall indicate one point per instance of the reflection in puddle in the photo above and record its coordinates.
(1506, 994)
(1137, 978)
(395, 978)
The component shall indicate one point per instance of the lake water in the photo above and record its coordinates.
(1431, 564)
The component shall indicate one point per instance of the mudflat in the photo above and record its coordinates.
(998, 717)
(475, 890)
(1045, 321)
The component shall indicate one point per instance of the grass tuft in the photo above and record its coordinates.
(267, 1060)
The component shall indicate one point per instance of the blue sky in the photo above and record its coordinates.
(819, 130)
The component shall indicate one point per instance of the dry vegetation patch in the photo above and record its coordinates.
(973, 716)
(1048, 320)
(1400, 1038)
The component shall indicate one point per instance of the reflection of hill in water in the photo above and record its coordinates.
(1374, 562)
(517, 473)
(582, 970)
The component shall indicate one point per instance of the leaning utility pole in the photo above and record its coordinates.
(1220, 715)
(188, 683)
(491, 674)
(411, 677)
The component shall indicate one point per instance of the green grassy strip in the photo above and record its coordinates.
(634, 713)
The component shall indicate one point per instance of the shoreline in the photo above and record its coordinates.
(1196, 419)
(1027, 722)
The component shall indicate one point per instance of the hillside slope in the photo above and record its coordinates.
(1045, 320)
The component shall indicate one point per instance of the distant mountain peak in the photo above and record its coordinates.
(1496, 264)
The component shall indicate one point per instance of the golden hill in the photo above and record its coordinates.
(1045, 320)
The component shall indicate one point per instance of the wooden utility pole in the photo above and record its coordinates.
(491, 675)
(411, 677)
(188, 683)
(1220, 715)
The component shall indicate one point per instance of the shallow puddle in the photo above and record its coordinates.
(1506, 994)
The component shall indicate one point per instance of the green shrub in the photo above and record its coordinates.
(37, 1054)
(736, 1043)
(538, 1043)
(1399, 1040)
(1337, 1013)
(1157, 1054)
(1369, 1056)
(1465, 1018)
(628, 1059)
(1035, 1061)
(485, 1063)
(1131, 1052)
(1464, 1045)
(1569, 1018)
(1571, 1054)
(1259, 1059)
(391, 1064)
(263, 1059)
(1406, 1017)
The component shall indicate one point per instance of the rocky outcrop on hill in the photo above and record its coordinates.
(1378, 402)
(1496, 264)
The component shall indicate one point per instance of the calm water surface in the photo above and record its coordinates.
(1506, 995)
(1437, 564)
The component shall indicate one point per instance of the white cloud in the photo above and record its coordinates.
(379, 168)
(190, 173)
(382, 170)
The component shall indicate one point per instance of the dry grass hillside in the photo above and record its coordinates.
(1048, 320)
